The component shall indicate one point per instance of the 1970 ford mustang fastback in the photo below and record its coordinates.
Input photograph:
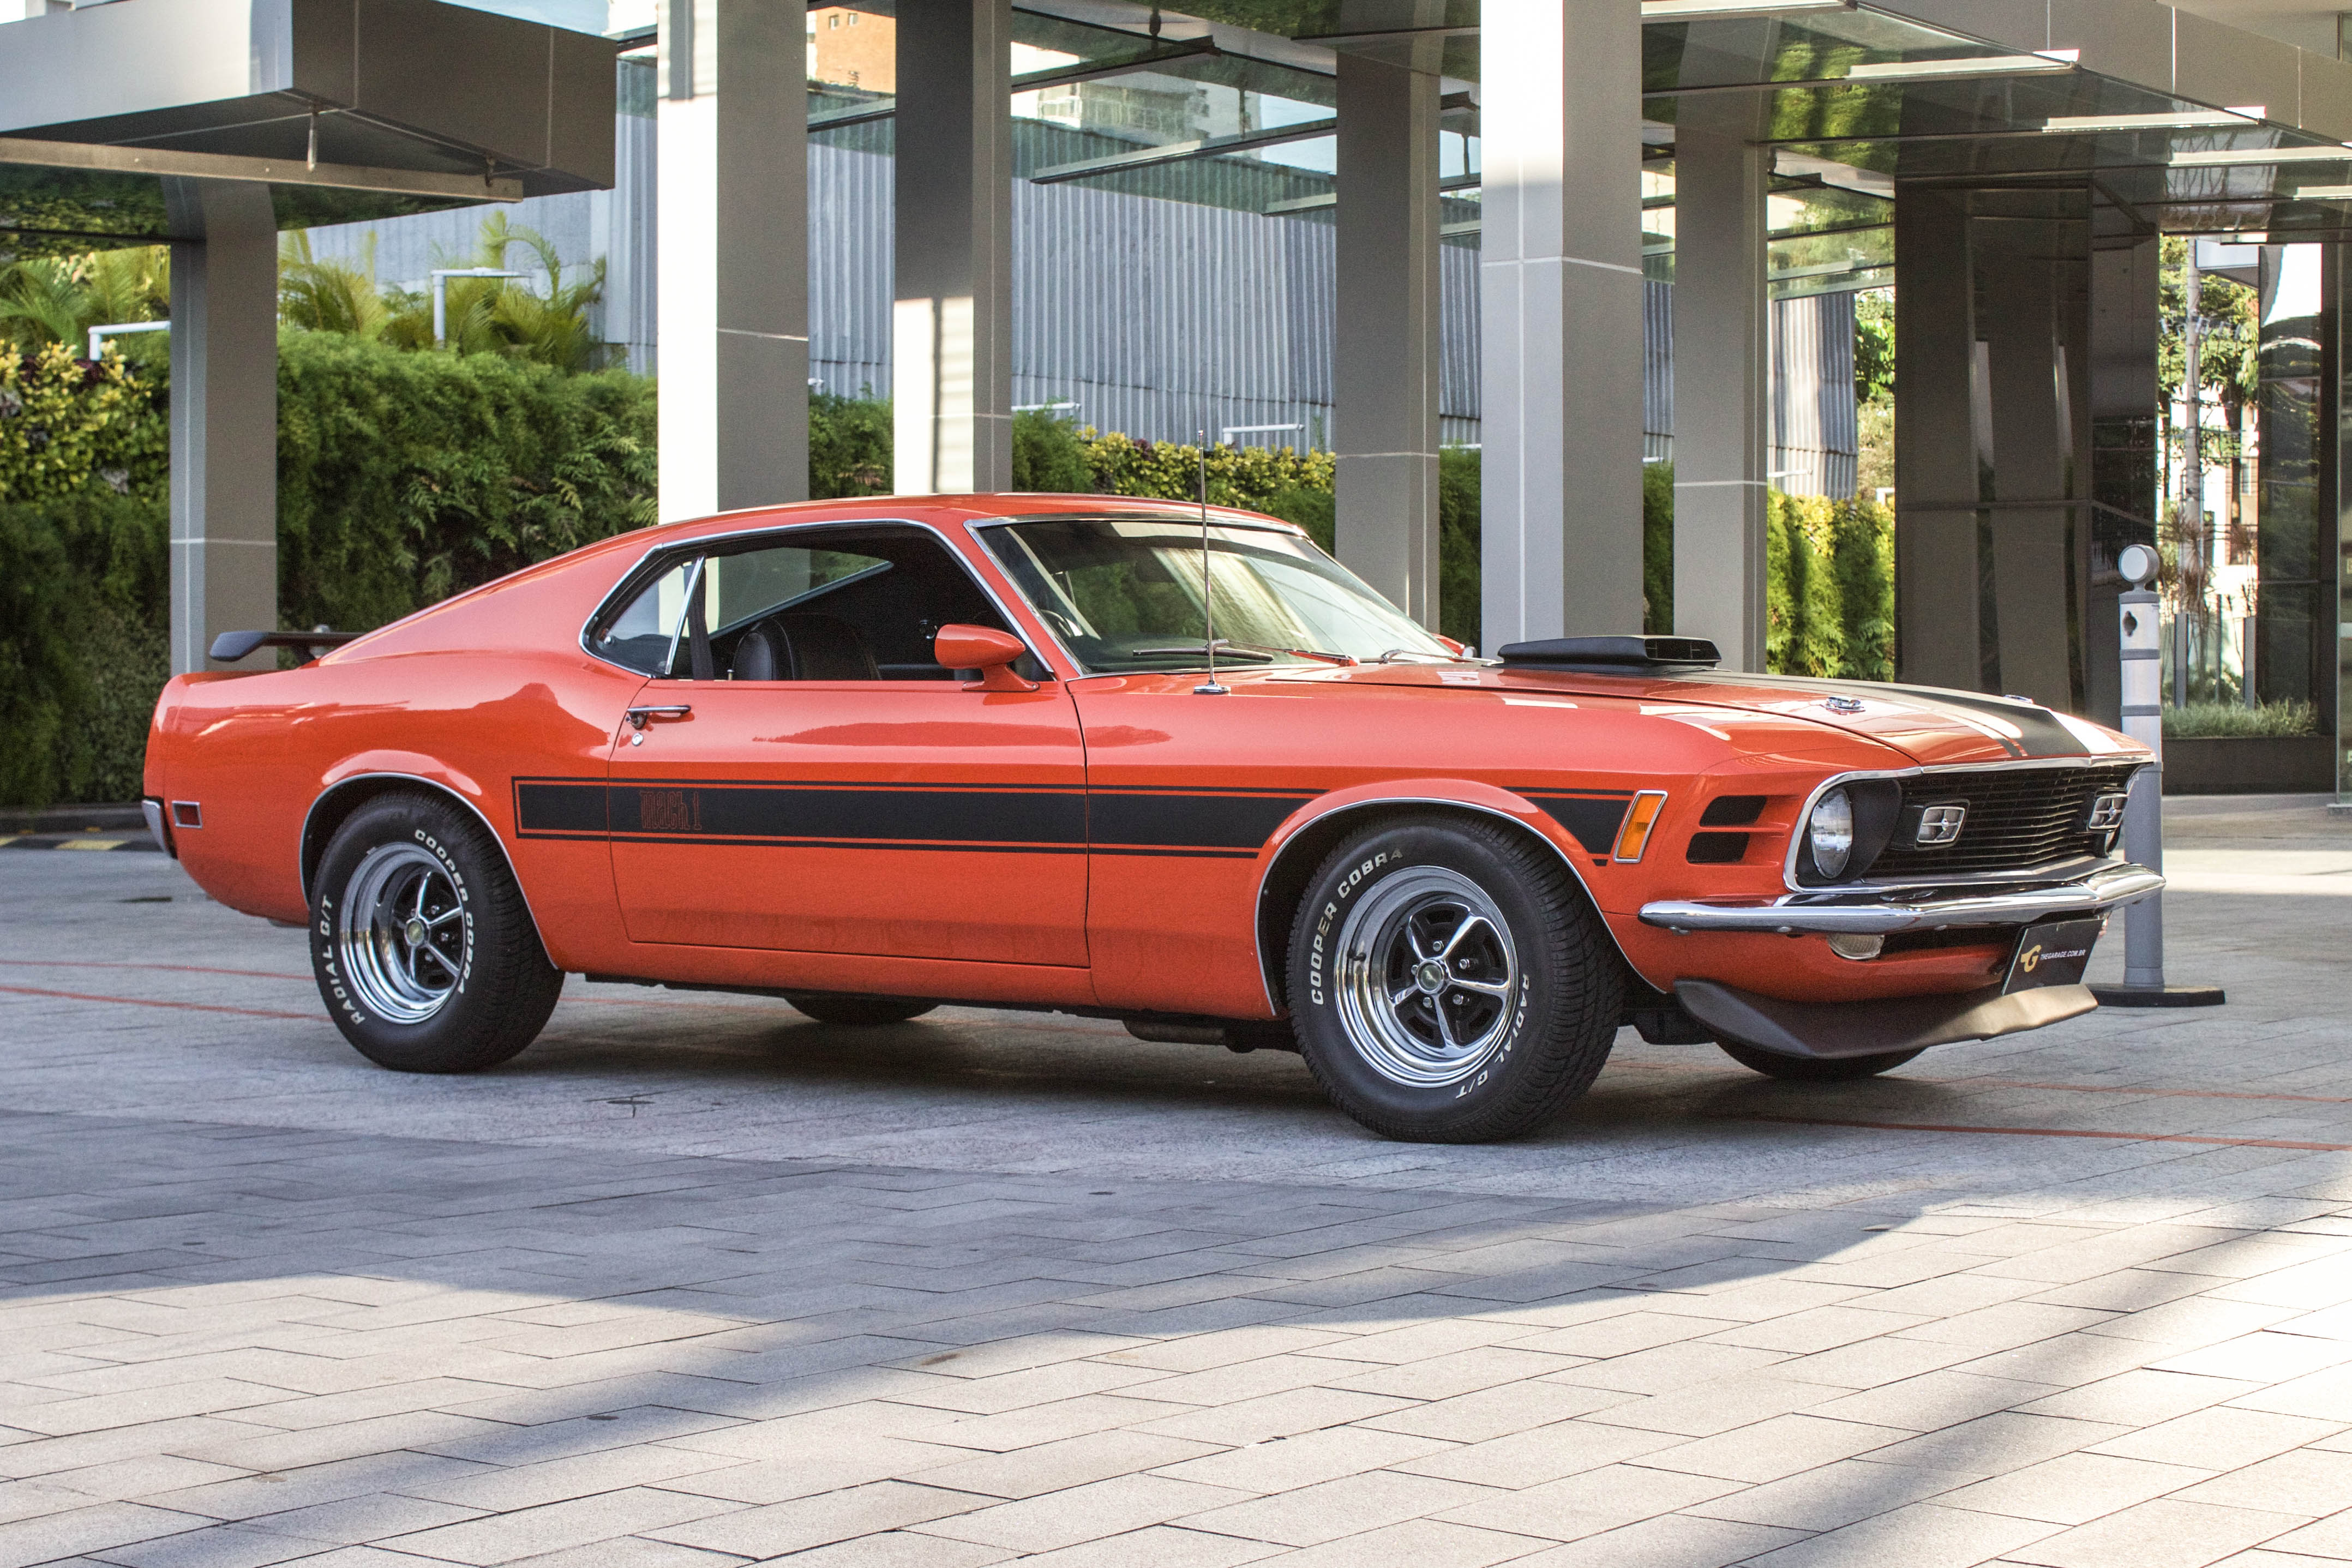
(872, 755)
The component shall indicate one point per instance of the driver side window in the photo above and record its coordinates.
(851, 603)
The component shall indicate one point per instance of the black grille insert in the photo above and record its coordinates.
(2019, 819)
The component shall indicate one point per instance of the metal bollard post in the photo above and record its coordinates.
(2142, 716)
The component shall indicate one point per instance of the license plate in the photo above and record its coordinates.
(2054, 953)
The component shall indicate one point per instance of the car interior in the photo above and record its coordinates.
(850, 603)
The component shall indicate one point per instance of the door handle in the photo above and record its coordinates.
(640, 718)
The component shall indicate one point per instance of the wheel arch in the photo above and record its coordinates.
(345, 796)
(1303, 846)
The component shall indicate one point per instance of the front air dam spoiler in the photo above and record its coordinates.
(1833, 1032)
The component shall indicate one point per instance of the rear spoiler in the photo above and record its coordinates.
(231, 647)
(1616, 655)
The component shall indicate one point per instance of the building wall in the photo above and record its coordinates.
(1154, 317)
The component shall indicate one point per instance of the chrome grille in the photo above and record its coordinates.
(2019, 819)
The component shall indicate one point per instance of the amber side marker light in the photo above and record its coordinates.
(1634, 836)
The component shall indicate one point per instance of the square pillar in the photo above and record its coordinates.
(1992, 451)
(951, 321)
(1721, 366)
(1385, 363)
(224, 417)
(732, 290)
(1560, 314)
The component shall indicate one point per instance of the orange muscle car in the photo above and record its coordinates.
(1143, 761)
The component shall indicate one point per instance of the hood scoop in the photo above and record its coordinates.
(1614, 655)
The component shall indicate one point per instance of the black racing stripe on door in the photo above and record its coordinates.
(1207, 824)
(961, 847)
(1118, 819)
(1592, 820)
(689, 810)
(548, 807)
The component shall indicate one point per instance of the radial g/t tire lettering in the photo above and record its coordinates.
(424, 948)
(1450, 982)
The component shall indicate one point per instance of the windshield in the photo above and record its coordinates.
(1124, 594)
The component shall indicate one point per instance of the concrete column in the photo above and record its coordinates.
(1561, 317)
(1385, 414)
(951, 323)
(1721, 366)
(1992, 453)
(1942, 443)
(733, 276)
(224, 419)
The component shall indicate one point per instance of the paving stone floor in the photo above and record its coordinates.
(695, 1282)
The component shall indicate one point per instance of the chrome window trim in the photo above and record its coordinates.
(1171, 512)
(2015, 765)
(630, 577)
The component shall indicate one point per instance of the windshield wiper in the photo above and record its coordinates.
(1327, 657)
(1201, 650)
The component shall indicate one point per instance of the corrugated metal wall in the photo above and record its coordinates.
(1156, 317)
(1814, 448)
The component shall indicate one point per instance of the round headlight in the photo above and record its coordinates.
(1830, 830)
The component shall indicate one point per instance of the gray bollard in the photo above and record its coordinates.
(2142, 716)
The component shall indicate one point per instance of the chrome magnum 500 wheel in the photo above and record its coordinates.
(1449, 981)
(424, 949)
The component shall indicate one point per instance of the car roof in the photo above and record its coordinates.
(962, 508)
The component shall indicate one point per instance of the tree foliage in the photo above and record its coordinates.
(47, 301)
(68, 426)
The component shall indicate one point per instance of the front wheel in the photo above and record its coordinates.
(424, 948)
(1815, 1070)
(1449, 981)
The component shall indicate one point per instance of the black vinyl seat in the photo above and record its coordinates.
(805, 646)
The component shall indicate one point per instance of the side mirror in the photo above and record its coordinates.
(985, 649)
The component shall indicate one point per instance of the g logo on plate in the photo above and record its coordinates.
(2030, 957)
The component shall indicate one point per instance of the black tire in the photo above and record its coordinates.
(1532, 1001)
(1806, 1069)
(476, 989)
(841, 1008)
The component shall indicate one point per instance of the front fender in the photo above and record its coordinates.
(1309, 833)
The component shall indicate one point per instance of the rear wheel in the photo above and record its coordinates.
(1449, 982)
(839, 1009)
(423, 946)
(1811, 1069)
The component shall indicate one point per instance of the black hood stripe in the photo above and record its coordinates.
(2040, 732)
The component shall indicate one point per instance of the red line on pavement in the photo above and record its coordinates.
(2132, 1088)
(175, 968)
(2049, 1132)
(151, 1002)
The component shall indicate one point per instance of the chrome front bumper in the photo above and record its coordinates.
(1884, 911)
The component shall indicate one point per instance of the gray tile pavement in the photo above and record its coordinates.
(694, 1283)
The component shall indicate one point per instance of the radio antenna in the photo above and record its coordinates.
(1208, 582)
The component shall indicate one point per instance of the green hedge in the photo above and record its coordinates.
(405, 477)
(402, 478)
(1830, 588)
(82, 610)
